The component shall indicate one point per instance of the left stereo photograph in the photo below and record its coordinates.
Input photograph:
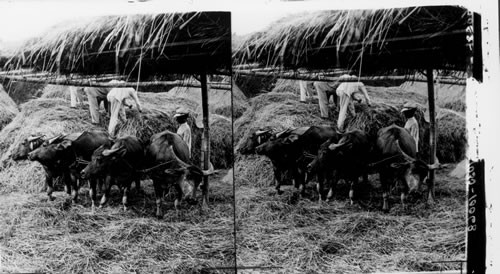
(115, 142)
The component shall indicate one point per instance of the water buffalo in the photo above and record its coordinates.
(343, 157)
(396, 151)
(292, 152)
(35, 141)
(263, 135)
(257, 138)
(62, 159)
(119, 163)
(26, 146)
(168, 157)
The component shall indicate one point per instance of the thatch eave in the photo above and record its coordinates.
(155, 44)
(372, 41)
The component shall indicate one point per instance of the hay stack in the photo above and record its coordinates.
(59, 91)
(42, 116)
(8, 108)
(54, 116)
(451, 136)
(160, 109)
(236, 110)
(395, 95)
(22, 92)
(280, 111)
(272, 110)
(237, 106)
(285, 85)
(447, 96)
(252, 86)
(371, 119)
(216, 97)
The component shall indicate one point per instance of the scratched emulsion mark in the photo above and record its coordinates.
(476, 221)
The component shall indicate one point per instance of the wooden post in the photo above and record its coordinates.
(432, 132)
(117, 62)
(205, 140)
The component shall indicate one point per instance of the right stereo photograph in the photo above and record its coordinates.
(350, 141)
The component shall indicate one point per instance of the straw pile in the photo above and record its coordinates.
(276, 110)
(8, 109)
(447, 96)
(280, 111)
(42, 116)
(251, 86)
(284, 85)
(57, 91)
(239, 104)
(451, 137)
(54, 116)
(21, 92)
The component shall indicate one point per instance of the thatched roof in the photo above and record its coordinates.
(374, 40)
(158, 44)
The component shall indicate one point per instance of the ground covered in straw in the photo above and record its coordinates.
(38, 235)
(301, 236)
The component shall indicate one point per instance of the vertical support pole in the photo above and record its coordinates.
(432, 132)
(117, 62)
(205, 141)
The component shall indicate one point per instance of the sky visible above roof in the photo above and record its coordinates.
(23, 19)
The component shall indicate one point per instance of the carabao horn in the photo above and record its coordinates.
(55, 138)
(108, 152)
(334, 146)
(33, 138)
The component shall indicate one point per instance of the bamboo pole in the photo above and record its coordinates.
(92, 83)
(205, 141)
(432, 132)
(323, 78)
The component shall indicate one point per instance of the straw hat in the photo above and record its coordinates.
(409, 106)
(180, 112)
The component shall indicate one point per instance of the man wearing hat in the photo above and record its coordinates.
(411, 124)
(117, 98)
(346, 92)
(181, 116)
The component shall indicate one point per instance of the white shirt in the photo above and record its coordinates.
(185, 132)
(412, 126)
(352, 88)
(120, 94)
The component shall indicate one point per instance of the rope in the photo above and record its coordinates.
(154, 167)
(81, 161)
(309, 155)
(383, 160)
